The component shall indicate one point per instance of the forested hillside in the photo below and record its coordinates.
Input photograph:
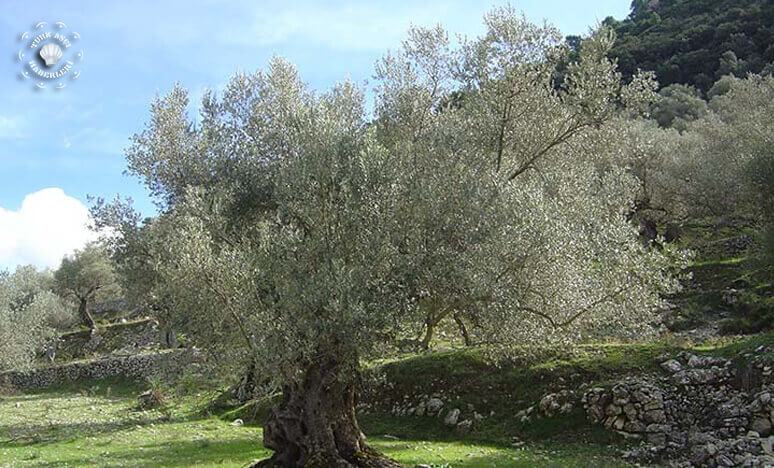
(695, 42)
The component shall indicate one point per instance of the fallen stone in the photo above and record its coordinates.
(767, 445)
(761, 425)
(452, 417)
(433, 406)
(672, 366)
(464, 426)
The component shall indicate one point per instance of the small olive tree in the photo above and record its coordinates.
(315, 237)
(27, 307)
(678, 105)
(86, 276)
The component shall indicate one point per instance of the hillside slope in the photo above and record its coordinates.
(695, 42)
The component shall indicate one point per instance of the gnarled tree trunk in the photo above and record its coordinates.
(463, 329)
(315, 425)
(429, 331)
(83, 311)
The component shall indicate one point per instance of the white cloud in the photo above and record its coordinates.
(48, 225)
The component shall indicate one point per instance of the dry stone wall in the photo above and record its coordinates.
(120, 338)
(135, 366)
(704, 412)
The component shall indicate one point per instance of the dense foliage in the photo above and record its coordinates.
(28, 311)
(695, 42)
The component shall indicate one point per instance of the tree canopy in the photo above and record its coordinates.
(85, 276)
(26, 308)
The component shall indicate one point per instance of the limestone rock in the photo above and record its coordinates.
(433, 406)
(452, 417)
(672, 366)
(464, 426)
(561, 402)
(767, 445)
(761, 425)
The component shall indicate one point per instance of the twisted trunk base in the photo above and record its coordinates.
(315, 426)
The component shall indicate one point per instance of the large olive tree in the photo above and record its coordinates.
(294, 225)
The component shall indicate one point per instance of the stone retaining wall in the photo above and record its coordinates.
(124, 338)
(705, 412)
(134, 366)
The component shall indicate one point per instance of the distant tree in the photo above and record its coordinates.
(725, 156)
(721, 87)
(27, 306)
(86, 276)
(729, 64)
(316, 237)
(130, 246)
(679, 104)
(651, 154)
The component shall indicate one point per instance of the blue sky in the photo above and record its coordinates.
(71, 141)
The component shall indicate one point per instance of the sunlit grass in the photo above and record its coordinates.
(101, 426)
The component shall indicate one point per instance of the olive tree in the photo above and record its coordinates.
(678, 105)
(735, 149)
(27, 306)
(315, 237)
(129, 241)
(725, 155)
(85, 276)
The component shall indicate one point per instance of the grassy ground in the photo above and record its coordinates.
(101, 426)
(730, 290)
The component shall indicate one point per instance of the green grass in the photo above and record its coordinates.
(563, 442)
(101, 426)
(82, 425)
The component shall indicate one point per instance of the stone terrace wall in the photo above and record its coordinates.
(126, 338)
(705, 412)
(136, 366)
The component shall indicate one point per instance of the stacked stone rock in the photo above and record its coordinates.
(561, 402)
(702, 413)
(633, 407)
(435, 407)
(129, 338)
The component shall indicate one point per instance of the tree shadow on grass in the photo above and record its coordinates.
(244, 450)
(41, 434)
(173, 454)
